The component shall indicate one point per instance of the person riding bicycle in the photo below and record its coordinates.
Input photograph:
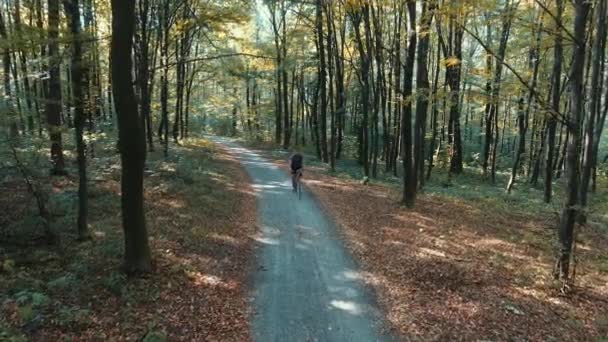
(296, 162)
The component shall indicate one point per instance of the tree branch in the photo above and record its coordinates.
(208, 58)
(557, 114)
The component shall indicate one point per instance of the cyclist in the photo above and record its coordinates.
(296, 162)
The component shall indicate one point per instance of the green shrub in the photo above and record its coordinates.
(10, 335)
(72, 316)
(62, 283)
(116, 283)
(36, 299)
(155, 336)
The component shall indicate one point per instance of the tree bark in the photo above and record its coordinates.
(571, 208)
(422, 90)
(523, 116)
(23, 65)
(552, 120)
(132, 141)
(73, 13)
(496, 87)
(322, 82)
(409, 172)
(364, 60)
(6, 63)
(53, 106)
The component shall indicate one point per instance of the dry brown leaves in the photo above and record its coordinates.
(447, 270)
(202, 250)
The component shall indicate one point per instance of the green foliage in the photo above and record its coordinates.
(63, 203)
(33, 298)
(30, 305)
(8, 334)
(155, 336)
(72, 317)
(187, 170)
(116, 283)
(7, 266)
(26, 312)
(64, 282)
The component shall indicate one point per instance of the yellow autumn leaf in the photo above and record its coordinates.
(451, 61)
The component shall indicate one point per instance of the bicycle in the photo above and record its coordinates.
(295, 179)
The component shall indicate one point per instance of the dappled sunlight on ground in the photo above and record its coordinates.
(455, 269)
(199, 211)
(347, 306)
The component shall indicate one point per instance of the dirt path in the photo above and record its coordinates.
(306, 285)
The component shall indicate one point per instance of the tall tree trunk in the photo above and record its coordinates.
(53, 106)
(364, 61)
(453, 75)
(552, 119)
(285, 92)
(132, 141)
(523, 116)
(508, 13)
(23, 65)
(163, 130)
(322, 82)
(340, 87)
(435, 113)
(279, 76)
(422, 90)
(144, 69)
(73, 13)
(571, 205)
(396, 130)
(6, 63)
(330, 63)
(409, 172)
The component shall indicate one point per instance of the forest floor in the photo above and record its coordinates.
(199, 216)
(469, 262)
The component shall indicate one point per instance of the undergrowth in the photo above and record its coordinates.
(78, 287)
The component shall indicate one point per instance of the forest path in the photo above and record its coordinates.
(306, 285)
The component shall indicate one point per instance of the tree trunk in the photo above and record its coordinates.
(364, 60)
(496, 87)
(422, 91)
(279, 64)
(396, 129)
(285, 92)
(330, 63)
(73, 13)
(571, 205)
(6, 62)
(163, 130)
(53, 106)
(523, 116)
(23, 65)
(552, 119)
(435, 114)
(322, 82)
(132, 141)
(409, 172)
(144, 69)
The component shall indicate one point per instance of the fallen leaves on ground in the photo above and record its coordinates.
(200, 214)
(451, 269)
